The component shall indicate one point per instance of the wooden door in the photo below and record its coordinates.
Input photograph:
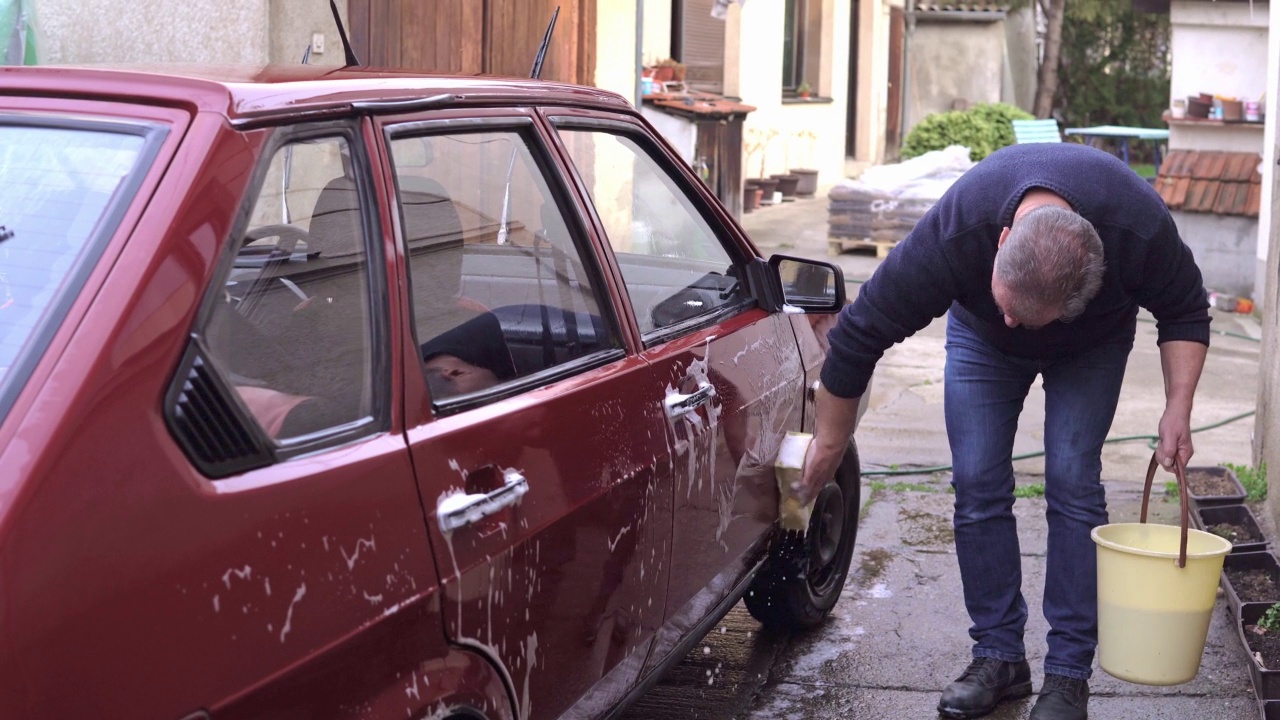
(893, 118)
(498, 37)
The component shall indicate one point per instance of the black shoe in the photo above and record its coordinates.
(984, 684)
(1062, 698)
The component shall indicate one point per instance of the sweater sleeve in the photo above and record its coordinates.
(916, 283)
(1172, 288)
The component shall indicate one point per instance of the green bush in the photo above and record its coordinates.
(983, 129)
(1254, 480)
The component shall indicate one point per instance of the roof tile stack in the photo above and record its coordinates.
(1211, 181)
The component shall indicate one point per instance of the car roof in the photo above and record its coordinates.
(248, 94)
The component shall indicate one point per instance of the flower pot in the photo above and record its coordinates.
(1236, 565)
(1212, 486)
(750, 197)
(767, 186)
(787, 184)
(808, 184)
(1271, 710)
(1247, 534)
(664, 73)
(1266, 681)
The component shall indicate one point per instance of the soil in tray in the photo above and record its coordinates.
(1254, 585)
(1235, 534)
(1265, 647)
(1206, 484)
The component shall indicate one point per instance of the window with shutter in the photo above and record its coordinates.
(699, 44)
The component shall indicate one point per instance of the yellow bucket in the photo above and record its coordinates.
(1156, 589)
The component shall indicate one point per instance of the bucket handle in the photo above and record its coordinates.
(1182, 494)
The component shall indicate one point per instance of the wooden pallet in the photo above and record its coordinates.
(835, 246)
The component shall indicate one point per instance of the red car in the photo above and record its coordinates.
(355, 394)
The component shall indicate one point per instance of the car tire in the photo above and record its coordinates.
(804, 574)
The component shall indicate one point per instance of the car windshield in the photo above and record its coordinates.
(57, 185)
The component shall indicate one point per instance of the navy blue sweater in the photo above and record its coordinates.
(945, 263)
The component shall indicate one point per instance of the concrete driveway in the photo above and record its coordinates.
(899, 634)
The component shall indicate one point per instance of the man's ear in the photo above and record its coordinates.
(1004, 235)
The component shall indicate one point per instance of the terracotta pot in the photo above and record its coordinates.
(750, 198)
(808, 184)
(664, 73)
(767, 186)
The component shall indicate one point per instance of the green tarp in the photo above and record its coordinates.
(17, 23)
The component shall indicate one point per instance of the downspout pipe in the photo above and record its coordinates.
(910, 17)
(639, 52)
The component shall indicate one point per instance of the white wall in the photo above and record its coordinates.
(759, 81)
(873, 78)
(950, 61)
(616, 46)
(252, 32)
(1218, 48)
(1266, 432)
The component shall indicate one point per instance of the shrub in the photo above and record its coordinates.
(1271, 620)
(1254, 480)
(983, 129)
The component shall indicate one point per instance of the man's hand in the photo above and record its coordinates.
(1181, 361)
(820, 464)
(1175, 439)
(835, 418)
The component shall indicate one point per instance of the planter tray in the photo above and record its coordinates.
(1236, 497)
(1246, 561)
(1266, 683)
(1236, 515)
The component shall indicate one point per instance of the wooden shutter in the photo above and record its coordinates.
(500, 37)
(702, 46)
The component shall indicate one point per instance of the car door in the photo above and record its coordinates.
(540, 461)
(728, 375)
(213, 522)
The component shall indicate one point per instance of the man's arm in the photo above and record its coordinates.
(1181, 361)
(834, 422)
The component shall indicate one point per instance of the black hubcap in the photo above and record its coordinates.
(826, 527)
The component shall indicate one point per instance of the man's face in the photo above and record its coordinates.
(1006, 299)
(448, 376)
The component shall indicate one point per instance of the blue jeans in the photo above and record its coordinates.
(985, 390)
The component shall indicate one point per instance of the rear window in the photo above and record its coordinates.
(63, 187)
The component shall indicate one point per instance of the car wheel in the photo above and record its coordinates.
(804, 574)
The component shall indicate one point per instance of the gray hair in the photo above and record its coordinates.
(1051, 259)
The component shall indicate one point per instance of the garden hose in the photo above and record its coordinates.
(1151, 439)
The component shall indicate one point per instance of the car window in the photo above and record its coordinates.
(59, 183)
(674, 265)
(292, 331)
(500, 289)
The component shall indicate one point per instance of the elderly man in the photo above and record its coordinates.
(1042, 254)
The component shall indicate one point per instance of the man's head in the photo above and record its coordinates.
(470, 357)
(1049, 266)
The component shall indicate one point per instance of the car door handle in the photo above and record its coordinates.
(678, 404)
(462, 509)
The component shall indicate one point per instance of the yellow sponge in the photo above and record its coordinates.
(789, 468)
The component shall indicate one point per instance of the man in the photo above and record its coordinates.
(468, 358)
(1042, 254)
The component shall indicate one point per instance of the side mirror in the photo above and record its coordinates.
(811, 286)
